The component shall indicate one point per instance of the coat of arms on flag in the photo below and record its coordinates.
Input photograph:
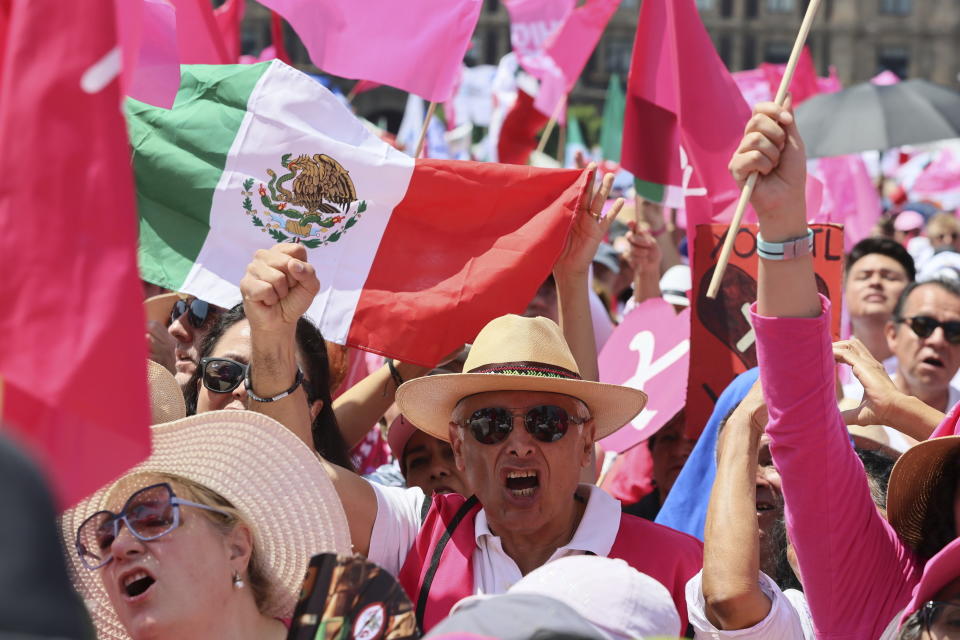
(321, 186)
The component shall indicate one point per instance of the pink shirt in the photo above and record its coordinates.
(856, 573)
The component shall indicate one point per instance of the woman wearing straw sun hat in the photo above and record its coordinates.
(209, 537)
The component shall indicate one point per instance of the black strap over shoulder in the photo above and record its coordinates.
(458, 517)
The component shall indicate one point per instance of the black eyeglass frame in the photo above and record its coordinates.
(503, 433)
(204, 362)
(198, 311)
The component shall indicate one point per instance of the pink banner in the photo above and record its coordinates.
(414, 45)
(650, 351)
(532, 22)
(849, 197)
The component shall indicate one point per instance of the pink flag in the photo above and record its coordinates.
(228, 17)
(849, 196)
(414, 45)
(804, 84)
(72, 348)
(650, 351)
(532, 23)
(569, 48)
(685, 115)
(155, 78)
(198, 37)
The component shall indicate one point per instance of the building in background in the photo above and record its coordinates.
(912, 38)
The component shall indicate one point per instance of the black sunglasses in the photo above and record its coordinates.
(197, 311)
(222, 375)
(924, 326)
(546, 423)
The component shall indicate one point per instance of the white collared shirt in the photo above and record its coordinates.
(399, 518)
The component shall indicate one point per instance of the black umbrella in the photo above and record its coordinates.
(873, 117)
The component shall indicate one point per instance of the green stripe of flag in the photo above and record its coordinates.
(178, 157)
(650, 191)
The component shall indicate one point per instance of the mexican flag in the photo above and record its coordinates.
(414, 256)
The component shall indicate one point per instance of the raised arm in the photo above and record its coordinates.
(644, 256)
(278, 288)
(882, 402)
(856, 572)
(572, 273)
(731, 542)
(359, 407)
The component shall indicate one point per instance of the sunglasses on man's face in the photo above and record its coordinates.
(546, 423)
(150, 513)
(222, 375)
(924, 326)
(197, 311)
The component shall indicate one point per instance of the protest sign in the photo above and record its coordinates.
(721, 334)
(650, 351)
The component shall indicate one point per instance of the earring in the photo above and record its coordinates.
(237, 580)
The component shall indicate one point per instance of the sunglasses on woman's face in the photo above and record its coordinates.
(924, 326)
(546, 423)
(222, 375)
(197, 311)
(941, 620)
(150, 513)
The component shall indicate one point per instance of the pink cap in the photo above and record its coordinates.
(940, 570)
(398, 435)
(908, 221)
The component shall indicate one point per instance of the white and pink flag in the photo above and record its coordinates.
(414, 45)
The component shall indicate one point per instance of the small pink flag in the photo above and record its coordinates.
(532, 24)
(650, 351)
(198, 36)
(156, 77)
(228, 17)
(849, 196)
(570, 47)
(414, 45)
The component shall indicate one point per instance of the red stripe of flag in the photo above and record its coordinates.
(442, 273)
(72, 348)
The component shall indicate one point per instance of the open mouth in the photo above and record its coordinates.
(522, 483)
(933, 362)
(442, 489)
(763, 506)
(137, 583)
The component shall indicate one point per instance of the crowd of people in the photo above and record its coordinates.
(476, 484)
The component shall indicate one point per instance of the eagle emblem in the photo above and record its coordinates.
(314, 203)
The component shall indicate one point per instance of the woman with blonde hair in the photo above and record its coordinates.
(209, 537)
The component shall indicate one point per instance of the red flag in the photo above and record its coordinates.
(72, 348)
(198, 37)
(518, 134)
(685, 115)
(276, 35)
(228, 17)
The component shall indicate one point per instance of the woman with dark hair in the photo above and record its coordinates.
(219, 381)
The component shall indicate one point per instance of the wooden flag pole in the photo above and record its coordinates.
(751, 183)
(423, 131)
(551, 123)
(353, 92)
(562, 152)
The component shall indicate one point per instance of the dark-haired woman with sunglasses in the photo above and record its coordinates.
(219, 381)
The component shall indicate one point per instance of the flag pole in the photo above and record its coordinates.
(562, 152)
(353, 92)
(751, 183)
(551, 123)
(423, 131)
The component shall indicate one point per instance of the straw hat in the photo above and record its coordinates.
(513, 353)
(912, 482)
(166, 399)
(158, 308)
(265, 471)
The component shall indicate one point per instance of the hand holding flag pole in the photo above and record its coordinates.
(423, 131)
(748, 187)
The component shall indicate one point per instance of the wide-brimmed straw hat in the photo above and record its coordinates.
(166, 398)
(913, 480)
(513, 353)
(158, 308)
(273, 479)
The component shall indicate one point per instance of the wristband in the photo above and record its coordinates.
(297, 381)
(397, 379)
(793, 248)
